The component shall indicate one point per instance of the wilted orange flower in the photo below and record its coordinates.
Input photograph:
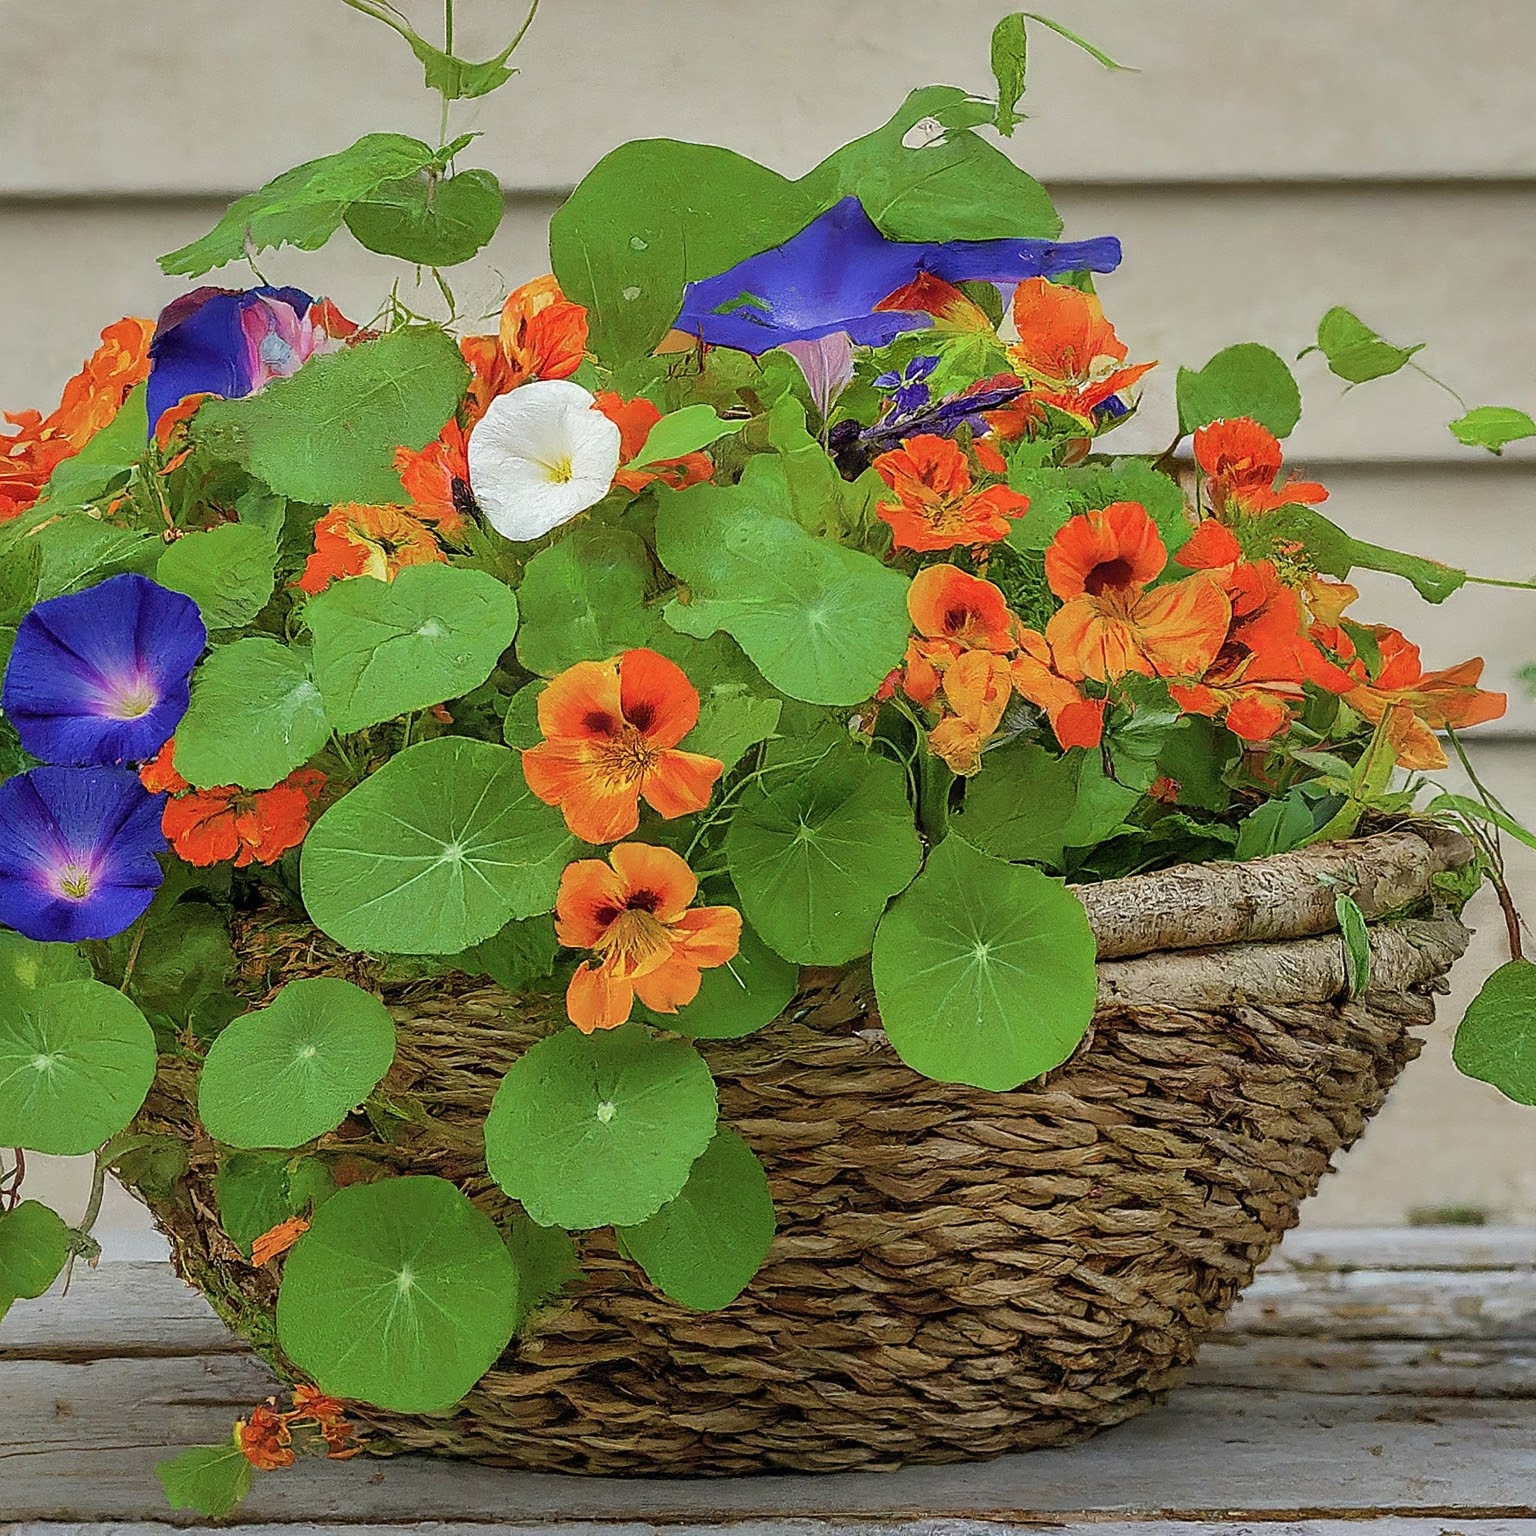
(1112, 623)
(634, 419)
(278, 1241)
(208, 826)
(436, 478)
(264, 1440)
(90, 401)
(1417, 703)
(977, 686)
(936, 506)
(611, 730)
(1241, 460)
(633, 912)
(543, 335)
(358, 540)
(329, 1416)
(1068, 353)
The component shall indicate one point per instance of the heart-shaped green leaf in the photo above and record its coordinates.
(255, 716)
(816, 857)
(984, 971)
(401, 1294)
(1496, 1040)
(76, 1060)
(704, 1246)
(296, 1069)
(435, 852)
(34, 1247)
(588, 1130)
(382, 648)
(226, 571)
(433, 224)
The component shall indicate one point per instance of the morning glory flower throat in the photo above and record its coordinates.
(833, 274)
(101, 676)
(77, 852)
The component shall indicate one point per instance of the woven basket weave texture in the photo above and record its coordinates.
(956, 1273)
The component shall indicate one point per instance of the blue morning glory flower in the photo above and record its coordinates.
(221, 341)
(831, 275)
(101, 676)
(77, 852)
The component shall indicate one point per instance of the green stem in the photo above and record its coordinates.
(133, 952)
(98, 1192)
(1498, 581)
(934, 780)
(447, 26)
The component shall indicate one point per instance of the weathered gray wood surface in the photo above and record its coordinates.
(1384, 1377)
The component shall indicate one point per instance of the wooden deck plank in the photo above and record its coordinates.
(1388, 1379)
(1389, 1526)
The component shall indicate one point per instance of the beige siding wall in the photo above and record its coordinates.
(1271, 158)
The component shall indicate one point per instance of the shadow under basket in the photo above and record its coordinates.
(957, 1273)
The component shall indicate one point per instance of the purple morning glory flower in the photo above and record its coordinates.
(77, 852)
(101, 676)
(831, 275)
(910, 393)
(222, 341)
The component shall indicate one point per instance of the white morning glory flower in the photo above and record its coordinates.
(541, 453)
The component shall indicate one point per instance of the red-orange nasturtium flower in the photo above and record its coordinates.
(436, 478)
(611, 730)
(208, 826)
(543, 335)
(264, 1439)
(1241, 460)
(950, 308)
(634, 419)
(633, 912)
(329, 1416)
(1112, 621)
(358, 540)
(90, 401)
(1067, 352)
(936, 506)
(1417, 703)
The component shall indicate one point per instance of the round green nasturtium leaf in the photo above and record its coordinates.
(296, 1069)
(435, 852)
(76, 1060)
(583, 599)
(31, 964)
(34, 1247)
(816, 858)
(823, 623)
(401, 1294)
(984, 971)
(1496, 1039)
(735, 998)
(1245, 380)
(227, 571)
(588, 1130)
(255, 716)
(703, 1247)
(385, 647)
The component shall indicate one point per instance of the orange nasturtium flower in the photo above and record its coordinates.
(278, 1240)
(90, 401)
(936, 506)
(1417, 703)
(1112, 621)
(436, 478)
(1241, 460)
(1067, 352)
(633, 912)
(611, 730)
(358, 540)
(970, 655)
(208, 826)
(543, 335)
(634, 419)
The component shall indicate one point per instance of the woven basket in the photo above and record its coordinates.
(957, 1273)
